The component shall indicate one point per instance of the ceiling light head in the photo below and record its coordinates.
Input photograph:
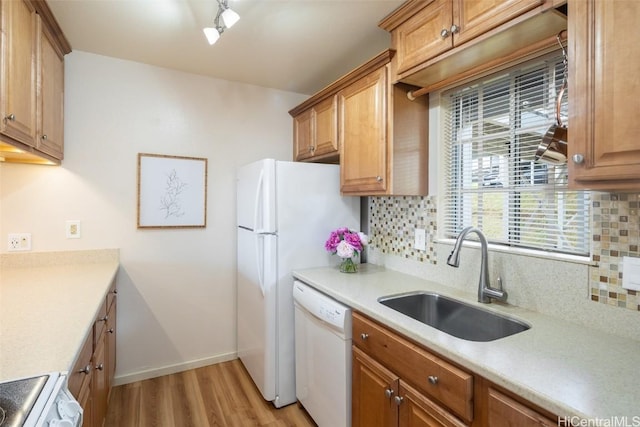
(212, 34)
(229, 17)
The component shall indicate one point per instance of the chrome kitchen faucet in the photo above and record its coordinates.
(485, 291)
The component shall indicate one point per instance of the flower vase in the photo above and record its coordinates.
(348, 266)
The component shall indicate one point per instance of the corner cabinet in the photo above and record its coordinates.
(379, 136)
(604, 97)
(31, 83)
(398, 383)
(91, 379)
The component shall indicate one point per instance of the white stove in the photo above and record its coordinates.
(41, 401)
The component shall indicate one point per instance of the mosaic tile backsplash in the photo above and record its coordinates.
(392, 224)
(615, 230)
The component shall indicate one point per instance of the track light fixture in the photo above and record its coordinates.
(229, 18)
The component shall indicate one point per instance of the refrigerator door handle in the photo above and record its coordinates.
(260, 260)
(258, 206)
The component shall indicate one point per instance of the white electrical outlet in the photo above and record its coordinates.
(19, 242)
(420, 242)
(72, 228)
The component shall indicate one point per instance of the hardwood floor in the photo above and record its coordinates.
(216, 395)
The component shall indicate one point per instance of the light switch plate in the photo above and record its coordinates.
(72, 228)
(631, 273)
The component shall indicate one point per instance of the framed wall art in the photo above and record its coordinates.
(172, 191)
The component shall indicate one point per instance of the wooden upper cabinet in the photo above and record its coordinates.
(604, 95)
(51, 101)
(443, 24)
(420, 36)
(20, 26)
(31, 83)
(362, 118)
(315, 132)
(303, 135)
(371, 127)
(442, 42)
(473, 18)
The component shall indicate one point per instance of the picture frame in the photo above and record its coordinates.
(172, 191)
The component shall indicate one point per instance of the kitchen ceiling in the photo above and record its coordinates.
(293, 45)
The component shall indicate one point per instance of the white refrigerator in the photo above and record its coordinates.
(286, 211)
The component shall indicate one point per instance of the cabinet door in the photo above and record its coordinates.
(51, 101)
(474, 18)
(362, 123)
(99, 382)
(374, 389)
(110, 355)
(506, 412)
(604, 94)
(20, 26)
(303, 135)
(326, 127)
(424, 35)
(416, 410)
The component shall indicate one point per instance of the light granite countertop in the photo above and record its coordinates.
(566, 368)
(48, 303)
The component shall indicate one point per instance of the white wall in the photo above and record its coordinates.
(177, 287)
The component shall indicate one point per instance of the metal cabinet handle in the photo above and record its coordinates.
(44, 137)
(379, 178)
(398, 400)
(105, 318)
(115, 292)
(444, 33)
(578, 159)
(455, 29)
(11, 117)
(100, 367)
(388, 393)
(364, 336)
(86, 370)
(111, 330)
(432, 379)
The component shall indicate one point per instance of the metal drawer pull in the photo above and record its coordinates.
(104, 319)
(398, 400)
(86, 370)
(111, 330)
(44, 137)
(388, 393)
(578, 159)
(444, 33)
(454, 29)
(11, 117)
(100, 367)
(433, 379)
(364, 336)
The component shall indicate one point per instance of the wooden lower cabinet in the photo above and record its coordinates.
(396, 382)
(91, 379)
(507, 412)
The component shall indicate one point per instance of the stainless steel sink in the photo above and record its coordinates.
(454, 317)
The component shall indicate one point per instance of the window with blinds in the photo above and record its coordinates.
(492, 130)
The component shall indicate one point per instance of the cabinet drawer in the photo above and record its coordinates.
(504, 411)
(80, 375)
(425, 371)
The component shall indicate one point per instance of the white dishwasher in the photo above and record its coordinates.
(323, 356)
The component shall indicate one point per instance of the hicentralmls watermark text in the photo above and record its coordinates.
(633, 421)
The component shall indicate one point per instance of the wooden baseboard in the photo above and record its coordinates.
(172, 369)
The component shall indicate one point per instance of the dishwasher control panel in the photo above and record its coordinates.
(322, 306)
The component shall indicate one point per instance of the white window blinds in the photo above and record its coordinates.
(492, 130)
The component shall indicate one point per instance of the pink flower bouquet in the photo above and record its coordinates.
(346, 244)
